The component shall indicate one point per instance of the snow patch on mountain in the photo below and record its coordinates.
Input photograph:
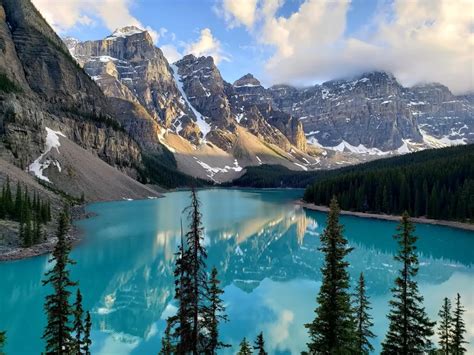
(38, 166)
(212, 171)
(200, 121)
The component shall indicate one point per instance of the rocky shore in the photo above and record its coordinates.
(386, 217)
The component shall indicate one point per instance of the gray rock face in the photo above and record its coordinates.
(204, 88)
(376, 111)
(52, 89)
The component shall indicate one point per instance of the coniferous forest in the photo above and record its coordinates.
(28, 209)
(440, 188)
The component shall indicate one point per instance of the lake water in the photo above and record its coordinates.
(265, 248)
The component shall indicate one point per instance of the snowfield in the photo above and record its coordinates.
(52, 141)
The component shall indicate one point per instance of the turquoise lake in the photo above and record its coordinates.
(265, 248)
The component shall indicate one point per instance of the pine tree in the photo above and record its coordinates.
(245, 348)
(333, 329)
(86, 340)
(363, 319)
(57, 333)
(78, 326)
(191, 289)
(215, 314)
(459, 329)
(260, 344)
(444, 330)
(196, 255)
(18, 203)
(27, 230)
(8, 198)
(410, 328)
(167, 347)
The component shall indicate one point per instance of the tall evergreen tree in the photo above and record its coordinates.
(410, 328)
(215, 314)
(167, 347)
(191, 289)
(245, 348)
(459, 329)
(363, 319)
(78, 326)
(333, 329)
(445, 324)
(260, 344)
(86, 340)
(18, 203)
(58, 330)
(196, 255)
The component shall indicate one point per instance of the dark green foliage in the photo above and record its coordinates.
(215, 314)
(167, 347)
(194, 329)
(3, 340)
(32, 214)
(58, 331)
(265, 176)
(410, 328)
(86, 340)
(6, 85)
(245, 348)
(459, 329)
(162, 170)
(437, 183)
(77, 325)
(363, 319)
(260, 345)
(444, 329)
(333, 329)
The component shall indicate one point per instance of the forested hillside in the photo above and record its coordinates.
(437, 183)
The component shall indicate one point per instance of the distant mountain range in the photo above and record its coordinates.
(118, 102)
(370, 115)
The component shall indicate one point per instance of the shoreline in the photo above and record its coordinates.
(75, 237)
(387, 217)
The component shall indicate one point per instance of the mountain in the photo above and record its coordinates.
(55, 122)
(215, 129)
(188, 109)
(374, 112)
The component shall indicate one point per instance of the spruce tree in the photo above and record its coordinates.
(215, 314)
(191, 289)
(196, 255)
(445, 324)
(459, 329)
(18, 203)
(86, 340)
(78, 326)
(245, 348)
(260, 345)
(363, 319)
(333, 329)
(58, 331)
(8, 198)
(410, 328)
(167, 347)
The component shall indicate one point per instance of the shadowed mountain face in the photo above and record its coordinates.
(44, 90)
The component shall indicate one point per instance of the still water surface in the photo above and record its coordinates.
(265, 248)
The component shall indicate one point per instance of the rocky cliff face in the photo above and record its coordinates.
(48, 88)
(375, 111)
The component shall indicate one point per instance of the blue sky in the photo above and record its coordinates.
(295, 41)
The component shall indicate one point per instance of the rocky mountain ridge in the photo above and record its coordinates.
(189, 108)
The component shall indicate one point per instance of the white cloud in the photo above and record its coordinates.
(64, 15)
(207, 45)
(416, 40)
(238, 12)
(171, 53)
